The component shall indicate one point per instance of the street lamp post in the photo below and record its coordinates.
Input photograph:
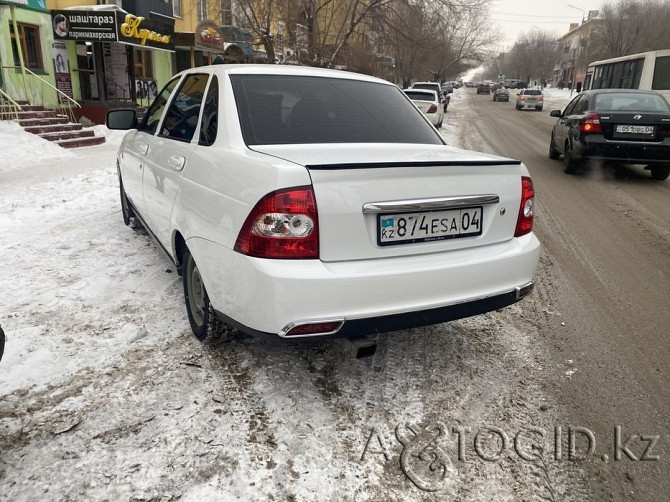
(583, 12)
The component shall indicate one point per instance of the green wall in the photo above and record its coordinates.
(33, 89)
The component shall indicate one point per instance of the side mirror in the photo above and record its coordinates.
(556, 113)
(123, 120)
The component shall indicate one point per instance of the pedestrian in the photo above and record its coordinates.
(570, 84)
(579, 87)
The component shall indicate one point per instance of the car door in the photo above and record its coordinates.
(169, 151)
(561, 127)
(134, 157)
(574, 119)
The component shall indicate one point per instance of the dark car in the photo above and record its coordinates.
(620, 125)
(483, 89)
(501, 94)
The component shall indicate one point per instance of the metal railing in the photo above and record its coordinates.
(8, 107)
(35, 89)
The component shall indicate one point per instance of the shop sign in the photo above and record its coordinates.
(137, 30)
(90, 26)
(61, 63)
(208, 36)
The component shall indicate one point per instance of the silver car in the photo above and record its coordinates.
(530, 99)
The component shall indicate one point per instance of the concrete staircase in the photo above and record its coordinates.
(49, 125)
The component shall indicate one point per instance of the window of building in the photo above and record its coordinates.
(30, 46)
(144, 67)
(176, 8)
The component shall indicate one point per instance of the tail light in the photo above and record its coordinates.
(541, 97)
(522, 97)
(283, 225)
(591, 124)
(524, 224)
(432, 109)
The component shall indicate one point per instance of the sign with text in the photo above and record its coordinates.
(90, 26)
(208, 36)
(62, 70)
(138, 30)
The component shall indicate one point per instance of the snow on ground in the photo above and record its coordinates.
(105, 394)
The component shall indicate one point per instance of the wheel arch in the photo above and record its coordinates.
(178, 247)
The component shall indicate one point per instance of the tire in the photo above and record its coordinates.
(2, 343)
(569, 164)
(660, 172)
(553, 153)
(201, 317)
(439, 125)
(126, 209)
(539, 109)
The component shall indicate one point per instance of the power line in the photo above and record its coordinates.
(532, 15)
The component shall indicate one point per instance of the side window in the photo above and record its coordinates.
(181, 118)
(571, 106)
(210, 114)
(154, 113)
(581, 106)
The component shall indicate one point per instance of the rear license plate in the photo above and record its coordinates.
(634, 129)
(407, 228)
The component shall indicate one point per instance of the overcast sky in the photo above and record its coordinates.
(516, 16)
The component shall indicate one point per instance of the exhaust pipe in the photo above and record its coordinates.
(361, 347)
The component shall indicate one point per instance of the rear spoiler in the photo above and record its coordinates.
(384, 165)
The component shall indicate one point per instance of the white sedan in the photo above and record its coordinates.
(429, 103)
(303, 202)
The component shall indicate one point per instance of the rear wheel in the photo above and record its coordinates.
(570, 166)
(201, 317)
(553, 153)
(660, 172)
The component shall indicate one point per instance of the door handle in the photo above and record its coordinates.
(176, 162)
(141, 148)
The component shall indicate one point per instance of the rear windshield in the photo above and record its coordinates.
(421, 96)
(288, 109)
(630, 102)
(532, 92)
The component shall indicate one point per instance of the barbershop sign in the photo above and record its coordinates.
(112, 26)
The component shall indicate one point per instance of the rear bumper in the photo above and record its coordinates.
(367, 326)
(266, 296)
(632, 152)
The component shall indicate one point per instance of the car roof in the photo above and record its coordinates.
(268, 69)
(610, 91)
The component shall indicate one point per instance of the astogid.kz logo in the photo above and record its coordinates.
(425, 460)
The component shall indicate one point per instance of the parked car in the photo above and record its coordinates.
(429, 103)
(530, 98)
(619, 125)
(501, 94)
(302, 202)
(483, 88)
(434, 86)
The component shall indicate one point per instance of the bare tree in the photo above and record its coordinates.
(629, 27)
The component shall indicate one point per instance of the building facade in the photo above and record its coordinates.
(571, 70)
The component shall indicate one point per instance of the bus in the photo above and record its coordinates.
(648, 71)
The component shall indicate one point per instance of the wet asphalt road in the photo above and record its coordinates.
(605, 269)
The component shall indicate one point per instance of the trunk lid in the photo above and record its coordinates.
(348, 178)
